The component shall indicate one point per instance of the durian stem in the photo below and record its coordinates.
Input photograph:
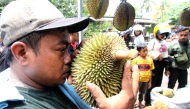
(121, 54)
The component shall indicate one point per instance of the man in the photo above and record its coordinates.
(1, 45)
(37, 35)
(189, 34)
(126, 35)
(138, 35)
(74, 42)
(110, 30)
(3, 59)
(181, 51)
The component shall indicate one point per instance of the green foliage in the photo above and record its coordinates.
(173, 13)
(97, 27)
(138, 13)
(3, 3)
(67, 7)
(84, 9)
(150, 29)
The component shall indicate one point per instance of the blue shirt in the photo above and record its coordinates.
(9, 92)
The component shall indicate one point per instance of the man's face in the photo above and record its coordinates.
(50, 66)
(76, 36)
(183, 35)
(125, 36)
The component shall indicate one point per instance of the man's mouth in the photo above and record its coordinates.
(66, 74)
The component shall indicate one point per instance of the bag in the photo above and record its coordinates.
(180, 54)
(181, 57)
(180, 100)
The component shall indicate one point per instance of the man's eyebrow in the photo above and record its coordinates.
(63, 42)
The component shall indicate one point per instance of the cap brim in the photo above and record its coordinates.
(72, 24)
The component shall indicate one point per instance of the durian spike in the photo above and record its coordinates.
(121, 54)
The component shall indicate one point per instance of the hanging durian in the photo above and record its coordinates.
(124, 16)
(185, 17)
(100, 61)
(97, 8)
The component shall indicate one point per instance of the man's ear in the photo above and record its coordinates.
(19, 51)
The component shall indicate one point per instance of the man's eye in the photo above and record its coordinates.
(62, 50)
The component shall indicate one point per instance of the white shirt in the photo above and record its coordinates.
(157, 47)
(138, 40)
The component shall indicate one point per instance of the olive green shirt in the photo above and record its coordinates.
(175, 47)
(51, 98)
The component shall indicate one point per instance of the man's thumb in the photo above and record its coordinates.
(96, 92)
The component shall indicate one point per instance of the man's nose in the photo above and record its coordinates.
(67, 59)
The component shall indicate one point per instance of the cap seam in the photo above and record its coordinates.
(46, 24)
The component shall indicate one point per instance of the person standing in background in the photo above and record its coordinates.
(189, 34)
(1, 45)
(126, 35)
(158, 51)
(181, 51)
(110, 30)
(3, 57)
(74, 42)
(145, 66)
(138, 35)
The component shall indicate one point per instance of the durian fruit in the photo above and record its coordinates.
(124, 16)
(160, 105)
(185, 17)
(132, 53)
(100, 61)
(97, 8)
(168, 93)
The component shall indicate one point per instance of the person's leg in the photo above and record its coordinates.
(182, 79)
(142, 90)
(155, 72)
(140, 96)
(174, 74)
(154, 78)
(160, 72)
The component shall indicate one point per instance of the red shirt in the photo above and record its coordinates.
(74, 45)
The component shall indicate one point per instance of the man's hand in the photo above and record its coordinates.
(149, 85)
(1, 49)
(167, 73)
(124, 100)
(160, 57)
